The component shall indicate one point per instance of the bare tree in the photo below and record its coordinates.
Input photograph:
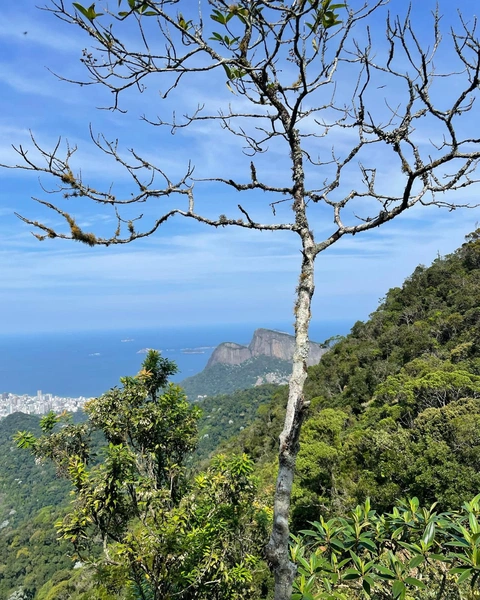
(306, 77)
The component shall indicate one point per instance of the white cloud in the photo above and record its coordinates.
(184, 273)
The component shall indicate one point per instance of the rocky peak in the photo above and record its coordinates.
(265, 342)
(229, 353)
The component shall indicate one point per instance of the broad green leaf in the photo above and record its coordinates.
(415, 582)
(458, 542)
(416, 560)
(465, 573)
(412, 547)
(472, 519)
(397, 532)
(440, 557)
(398, 589)
(386, 572)
(218, 16)
(351, 574)
(89, 12)
(356, 559)
(81, 9)
(369, 544)
(429, 533)
(337, 545)
(367, 586)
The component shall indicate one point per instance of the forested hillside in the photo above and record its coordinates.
(226, 379)
(31, 499)
(395, 407)
(225, 415)
(394, 412)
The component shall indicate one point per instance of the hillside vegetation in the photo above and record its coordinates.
(225, 415)
(226, 379)
(395, 407)
(394, 413)
(31, 497)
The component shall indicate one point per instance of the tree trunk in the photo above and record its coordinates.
(277, 550)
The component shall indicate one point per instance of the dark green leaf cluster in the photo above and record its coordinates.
(412, 552)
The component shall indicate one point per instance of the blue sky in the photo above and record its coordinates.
(186, 273)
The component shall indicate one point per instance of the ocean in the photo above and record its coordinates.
(89, 363)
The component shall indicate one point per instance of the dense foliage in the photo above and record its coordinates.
(25, 486)
(31, 499)
(394, 406)
(225, 415)
(411, 553)
(163, 535)
(394, 413)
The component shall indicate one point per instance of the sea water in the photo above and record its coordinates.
(89, 363)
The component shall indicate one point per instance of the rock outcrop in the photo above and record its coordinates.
(265, 342)
(229, 353)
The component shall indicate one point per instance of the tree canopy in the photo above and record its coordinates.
(163, 536)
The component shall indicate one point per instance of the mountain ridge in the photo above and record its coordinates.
(265, 342)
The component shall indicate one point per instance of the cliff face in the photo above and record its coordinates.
(265, 342)
(229, 353)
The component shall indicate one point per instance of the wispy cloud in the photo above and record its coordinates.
(185, 273)
(26, 85)
(215, 273)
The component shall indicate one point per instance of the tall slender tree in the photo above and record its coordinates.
(303, 75)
